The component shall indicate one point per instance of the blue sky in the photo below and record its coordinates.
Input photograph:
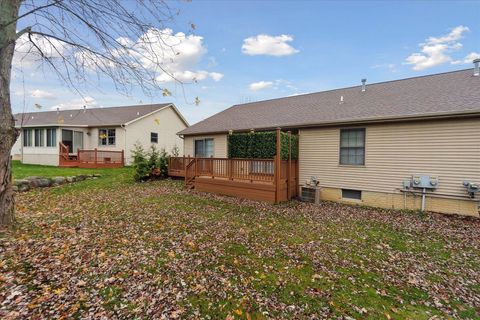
(255, 50)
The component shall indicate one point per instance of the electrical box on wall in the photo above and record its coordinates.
(424, 181)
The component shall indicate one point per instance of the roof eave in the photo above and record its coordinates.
(432, 116)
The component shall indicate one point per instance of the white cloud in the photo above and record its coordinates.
(390, 66)
(216, 76)
(468, 58)
(264, 44)
(26, 54)
(162, 52)
(168, 54)
(279, 84)
(41, 94)
(76, 104)
(255, 86)
(436, 50)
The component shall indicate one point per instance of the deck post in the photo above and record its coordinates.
(278, 163)
(230, 169)
(78, 155)
(289, 167)
(95, 156)
(123, 159)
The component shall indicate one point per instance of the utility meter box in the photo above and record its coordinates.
(424, 181)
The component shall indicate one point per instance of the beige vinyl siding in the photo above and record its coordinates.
(449, 149)
(219, 143)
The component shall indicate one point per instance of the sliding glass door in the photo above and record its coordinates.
(72, 139)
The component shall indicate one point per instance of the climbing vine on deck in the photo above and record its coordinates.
(260, 145)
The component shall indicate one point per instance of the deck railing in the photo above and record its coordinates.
(237, 170)
(96, 156)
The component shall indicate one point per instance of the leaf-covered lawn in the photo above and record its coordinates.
(122, 250)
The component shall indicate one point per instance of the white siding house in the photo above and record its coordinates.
(112, 129)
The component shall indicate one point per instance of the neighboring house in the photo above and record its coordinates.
(363, 142)
(104, 129)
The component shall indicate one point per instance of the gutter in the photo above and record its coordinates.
(432, 116)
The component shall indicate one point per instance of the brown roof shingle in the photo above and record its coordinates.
(91, 117)
(445, 93)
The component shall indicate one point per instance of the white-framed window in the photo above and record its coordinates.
(27, 137)
(204, 148)
(39, 137)
(106, 137)
(153, 137)
(51, 137)
(352, 147)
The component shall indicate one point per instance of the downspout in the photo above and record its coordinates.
(125, 142)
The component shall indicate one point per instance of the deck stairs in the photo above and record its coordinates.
(190, 173)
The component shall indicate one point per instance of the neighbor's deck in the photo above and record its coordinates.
(91, 158)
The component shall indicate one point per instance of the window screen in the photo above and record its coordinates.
(39, 137)
(27, 137)
(153, 137)
(352, 194)
(51, 137)
(352, 146)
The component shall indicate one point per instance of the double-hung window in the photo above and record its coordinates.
(106, 137)
(204, 148)
(39, 137)
(352, 147)
(51, 137)
(153, 137)
(27, 137)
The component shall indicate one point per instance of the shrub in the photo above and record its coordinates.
(151, 164)
(140, 163)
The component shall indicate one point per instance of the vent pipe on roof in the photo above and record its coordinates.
(58, 110)
(84, 109)
(476, 67)
(364, 85)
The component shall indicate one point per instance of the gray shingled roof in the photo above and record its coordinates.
(90, 117)
(439, 94)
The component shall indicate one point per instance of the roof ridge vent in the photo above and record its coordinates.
(476, 67)
(364, 84)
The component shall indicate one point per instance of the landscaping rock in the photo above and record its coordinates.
(33, 178)
(19, 182)
(43, 183)
(23, 187)
(59, 180)
(97, 175)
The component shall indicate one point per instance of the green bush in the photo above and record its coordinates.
(260, 145)
(151, 164)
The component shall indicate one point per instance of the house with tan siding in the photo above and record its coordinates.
(112, 131)
(370, 144)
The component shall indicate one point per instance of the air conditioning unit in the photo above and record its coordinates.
(310, 194)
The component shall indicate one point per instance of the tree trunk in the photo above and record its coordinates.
(8, 133)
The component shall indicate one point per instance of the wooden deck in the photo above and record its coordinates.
(91, 158)
(255, 179)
